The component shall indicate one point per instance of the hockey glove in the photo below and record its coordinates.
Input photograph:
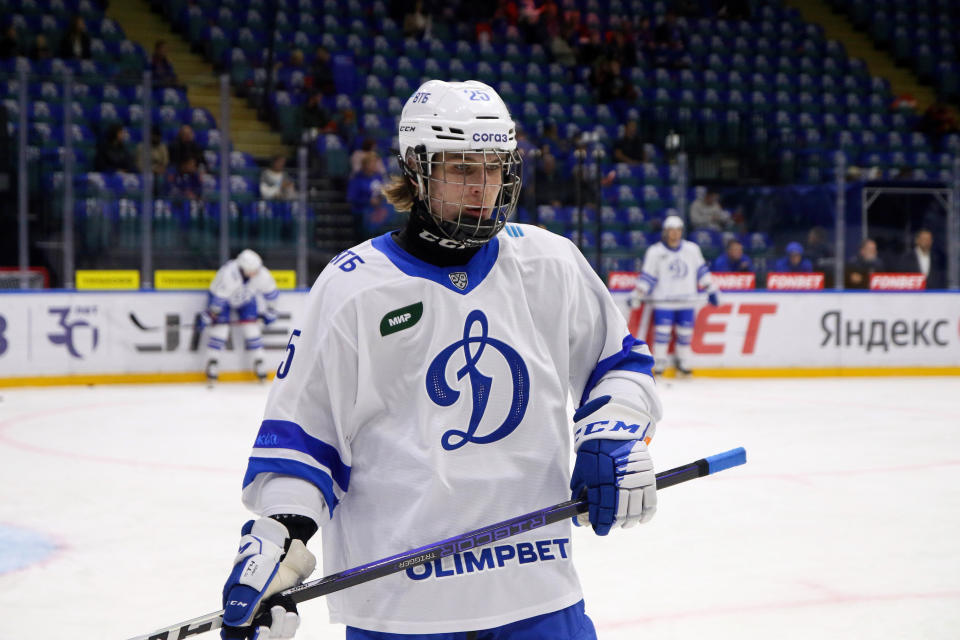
(636, 299)
(714, 299)
(205, 319)
(267, 563)
(613, 469)
(269, 316)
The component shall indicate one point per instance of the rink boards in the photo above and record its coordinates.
(93, 337)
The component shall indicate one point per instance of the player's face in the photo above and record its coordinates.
(673, 237)
(466, 185)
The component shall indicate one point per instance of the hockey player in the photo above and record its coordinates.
(236, 287)
(424, 394)
(673, 274)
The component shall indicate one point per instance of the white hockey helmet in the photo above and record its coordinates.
(443, 121)
(672, 222)
(249, 262)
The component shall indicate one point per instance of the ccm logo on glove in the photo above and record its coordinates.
(600, 426)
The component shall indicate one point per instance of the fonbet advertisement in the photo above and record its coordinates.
(814, 329)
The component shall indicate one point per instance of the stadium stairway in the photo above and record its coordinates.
(247, 132)
(837, 26)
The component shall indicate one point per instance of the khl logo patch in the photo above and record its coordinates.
(459, 279)
(474, 347)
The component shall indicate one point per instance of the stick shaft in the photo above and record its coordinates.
(444, 548)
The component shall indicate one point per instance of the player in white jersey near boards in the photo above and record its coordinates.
(674, 272)
(238, 288)
(424, 394)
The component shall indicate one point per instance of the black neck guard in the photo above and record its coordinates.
(420, 239)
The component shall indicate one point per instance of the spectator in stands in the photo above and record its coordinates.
(185, 146)
(40, 49)
(186, 182)
(819, 250)
(159, 157)
(321, 73)
(609, 83)
(75, 44)
(292, 75)
(669, 41)
(583, 172)
(924, 259)
(369, 147)
(346, 126)
(862, 265)
(620, 47)
(274, 183)
(561, 50)
(161, 67)
(315, 114)
(112, 152)
(732, 260)
(644, 38)
(363, 189)
(707, 213)
(629, 147)
(550, 140)
(551, 186)
(10, 43)
(416, 24)
(793, 262)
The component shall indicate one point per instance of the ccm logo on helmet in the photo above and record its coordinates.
(490, 137)
(407, 127)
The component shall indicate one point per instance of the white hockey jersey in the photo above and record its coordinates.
(672, 278)
(424, 402)
(229, 286)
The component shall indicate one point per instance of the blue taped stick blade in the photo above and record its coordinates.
(727, 459)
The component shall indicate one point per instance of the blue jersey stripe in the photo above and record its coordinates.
(271, 295)
(624, 360)
(283, 434)
(314, 476)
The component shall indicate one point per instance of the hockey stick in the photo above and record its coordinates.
(444, 548)
(191, 325)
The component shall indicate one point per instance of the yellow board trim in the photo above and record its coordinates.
(286, 279)
(247, 376)
(126, 378)
(201, 279)
(104, 279)
(176, 279)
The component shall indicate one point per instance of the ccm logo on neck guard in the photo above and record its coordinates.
(489, 137)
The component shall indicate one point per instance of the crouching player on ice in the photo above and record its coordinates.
(236, 288)
(424, 394)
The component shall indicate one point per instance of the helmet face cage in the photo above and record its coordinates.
(455, 186)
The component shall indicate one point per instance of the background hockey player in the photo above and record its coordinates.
(673, 274)
(424, 394)
(236, 290)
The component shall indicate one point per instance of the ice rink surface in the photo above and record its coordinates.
(120, 511)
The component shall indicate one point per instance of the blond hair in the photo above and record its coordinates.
(399, 193)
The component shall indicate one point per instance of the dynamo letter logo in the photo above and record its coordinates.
(443, 395)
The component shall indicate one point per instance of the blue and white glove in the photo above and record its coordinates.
(206, 319)
(267, 563)
(269, 316)
(713, 299)
(613, 466)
